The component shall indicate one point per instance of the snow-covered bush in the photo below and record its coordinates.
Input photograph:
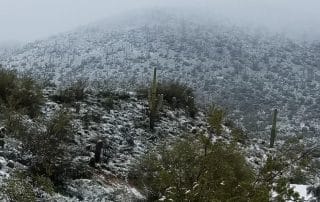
(20, 93)
(73, 93)
(19, 188)
(47, 141)
(215, 119)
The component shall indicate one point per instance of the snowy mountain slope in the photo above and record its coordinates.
(126, 136)
(248, 72)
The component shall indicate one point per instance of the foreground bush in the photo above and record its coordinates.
(22, 186)
(20, 93)
(19, 188)
(196, 170)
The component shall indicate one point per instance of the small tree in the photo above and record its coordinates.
(215, 119)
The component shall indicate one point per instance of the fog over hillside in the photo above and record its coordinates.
(35, 19)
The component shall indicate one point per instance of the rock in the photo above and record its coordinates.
(170, 115)
(130, 141)
(92, 162)
(2, 143)
(88, 147)
(2, 162)
(2, 132)
(194, 130)
(10, 164)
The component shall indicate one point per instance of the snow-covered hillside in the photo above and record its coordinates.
(124, 131)
(248, 72)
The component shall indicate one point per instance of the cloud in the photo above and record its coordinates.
(26, 20)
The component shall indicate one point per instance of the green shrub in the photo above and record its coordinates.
(215, 119)
(47, 141)
(20, 93)
(175, 94)
(8, 82)
(73, 93)
(239, 135)
(108, 103)
(21, 185)
(108, 98)
(51, 148)
(298, 177)
(197, 170)
(19, 188)
(44, 183)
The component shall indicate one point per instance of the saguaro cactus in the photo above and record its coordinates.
(153, 100)
(97, 153)
(160, 103)
(273, 129)
(2, 134)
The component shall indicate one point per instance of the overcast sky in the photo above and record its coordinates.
(27, 20)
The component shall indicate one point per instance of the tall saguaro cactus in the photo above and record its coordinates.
(273, 129)
(153, 101)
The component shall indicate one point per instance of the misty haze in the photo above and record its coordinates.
(159, 100)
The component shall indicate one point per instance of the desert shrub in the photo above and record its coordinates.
(215, 119)
(108, 103)
(197, 170)
(175, 94)
(20, 93)
(19, 188)
(50, 146)
(48, 141)
(8, 81)
(23, 186)
(298, 177)
(89, 117)
(239, 135)
(43, 183)
(108, 98)
(77, 91)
